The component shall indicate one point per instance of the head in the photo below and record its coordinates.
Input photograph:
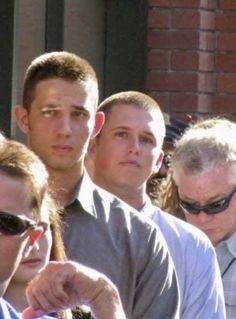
(48, 247)
(23, 183)
(174, 130)
(60, 96)
(204, 171)
(160, 187)
(128, 149)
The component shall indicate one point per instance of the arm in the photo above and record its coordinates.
(205, 297)
(68, 284)
(157, 294)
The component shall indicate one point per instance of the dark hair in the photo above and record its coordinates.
(63, 65)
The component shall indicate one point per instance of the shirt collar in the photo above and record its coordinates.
(85, 194)
(231, 244)
(148, 208)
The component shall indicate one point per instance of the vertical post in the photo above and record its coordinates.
(54, 25)
(6, 63)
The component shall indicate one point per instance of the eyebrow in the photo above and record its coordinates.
(55, 105)
(128, 129)
(210, 200)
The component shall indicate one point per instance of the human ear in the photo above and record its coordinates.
(92, 147)
(158, 162)
(21, 116)
(99, 121)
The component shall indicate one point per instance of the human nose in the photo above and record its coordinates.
(35, 247)
(134, 146)
(64, 126)
(203, 217)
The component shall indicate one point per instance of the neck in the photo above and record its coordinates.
(64, 184)
(134, 196)
(15, 295)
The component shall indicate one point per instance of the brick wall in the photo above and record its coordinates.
(191, 57)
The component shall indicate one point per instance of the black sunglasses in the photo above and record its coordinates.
(16, 225)
(213, 208)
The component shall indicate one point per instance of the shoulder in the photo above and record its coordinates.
(181, 229)
(123, 215)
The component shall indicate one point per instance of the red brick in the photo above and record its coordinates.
(208, 4)
(184, 60)
(174, 3)
(192, 60)
(206, 61)
(207, 20)
(206, 82)
(183, 102)
(225, 62)
(158, 59)
(185, 19)
(174, 39)
(159, 18)
(184, 117)
(204, 103)
(207, 41)
(227, 41)
(226, 21)
(162, 99)
(224, 103)
(191, 103)
(226, 83)
(173, 81)
(227, 4)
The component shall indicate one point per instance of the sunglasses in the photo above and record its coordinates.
(210, 209)
(15, 225)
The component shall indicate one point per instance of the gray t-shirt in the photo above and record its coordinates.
(105, 233)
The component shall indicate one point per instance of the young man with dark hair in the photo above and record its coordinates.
(59, 117)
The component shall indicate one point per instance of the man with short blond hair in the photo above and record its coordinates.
(126, 152)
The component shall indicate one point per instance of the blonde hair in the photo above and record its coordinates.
(137, 99)
(205, 145)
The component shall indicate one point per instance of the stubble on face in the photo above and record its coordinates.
(61, 121)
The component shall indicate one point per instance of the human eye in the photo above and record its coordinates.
(48, 112)
(121, 133)
(80, 113)
(147, 140)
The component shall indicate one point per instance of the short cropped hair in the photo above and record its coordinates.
(205, 145)
(137, 99)
(63, 65)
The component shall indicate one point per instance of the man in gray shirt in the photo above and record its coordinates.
(59, 117)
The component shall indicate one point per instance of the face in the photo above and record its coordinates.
(128, 148)
(37, 259)
(204, 189)
(14, 199)
(60, 123)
